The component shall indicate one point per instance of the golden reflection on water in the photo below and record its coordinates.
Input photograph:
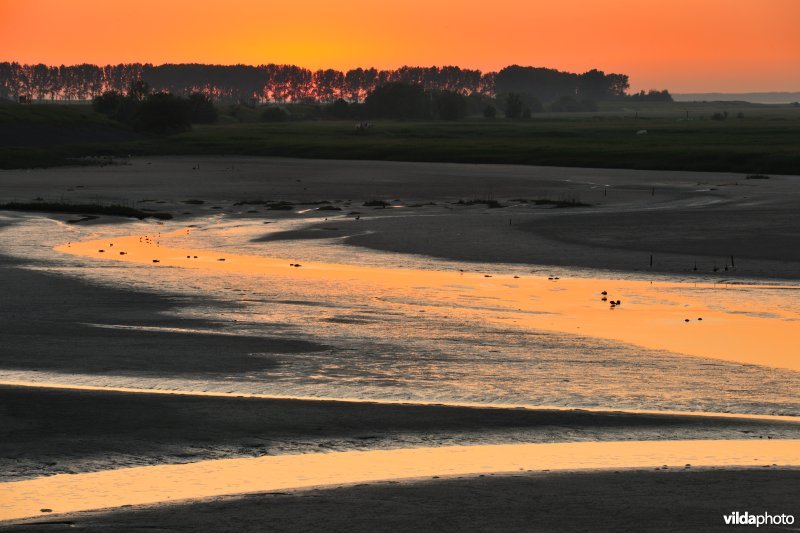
(745, 324)
(66, 493)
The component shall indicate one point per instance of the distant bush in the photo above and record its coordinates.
(399, 101)
(280, 206)
(201, 109)
(450, 105)
(489, 111)
(151, 112)
(164, 113)
(339, 109)
(757, 177)
(532, 103)
(107, 103)
(566, 202)
(116, 106)
(513, 105)
(274, 114)
(376, 203)
(720, 116)
(651, 96)
(568, 104)
(304, 111)
(490, 203)
(403, 101)
(477, 102)
(241, 112)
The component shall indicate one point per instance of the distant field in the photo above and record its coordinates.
(763, 139)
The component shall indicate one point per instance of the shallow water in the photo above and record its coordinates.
(67, 493)
(402, 327)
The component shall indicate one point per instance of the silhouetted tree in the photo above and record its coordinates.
(618, 85)
(201, 109)
(139, 90)
(544, 84)
(547, 85)
(117, 106)
(398, 101)
(490, 111)
(108, 103)
(328, 85)
(163, 113)
(597, 85)
(513, 105)
(450, 105)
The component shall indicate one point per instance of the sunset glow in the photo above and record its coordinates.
(654, 316)
(685, 46)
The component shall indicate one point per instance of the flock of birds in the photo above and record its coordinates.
(614, 303)
(146, 239)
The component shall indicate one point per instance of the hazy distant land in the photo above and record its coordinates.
(755, 98)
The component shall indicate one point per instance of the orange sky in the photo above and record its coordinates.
(682, 45)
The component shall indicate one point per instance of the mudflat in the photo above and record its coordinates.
(47, 326)
(693, 223)
(624, 500)
(47, 431)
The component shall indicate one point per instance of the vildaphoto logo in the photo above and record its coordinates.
(764, 519)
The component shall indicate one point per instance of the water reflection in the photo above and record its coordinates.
(66, 493)
(691, 320)
(409, 328)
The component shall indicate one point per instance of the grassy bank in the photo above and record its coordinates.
(52, 114)
(45, 135)
(763, 140)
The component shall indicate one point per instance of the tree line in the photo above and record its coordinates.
(262, 83)
(293, 84)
